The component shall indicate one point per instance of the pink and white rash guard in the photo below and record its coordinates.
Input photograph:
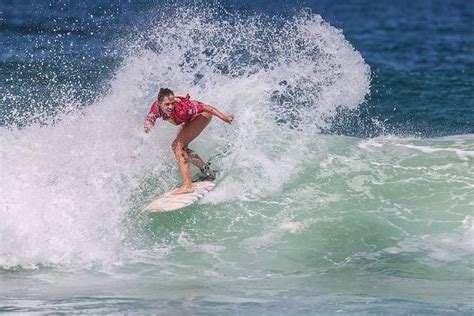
(184, 111)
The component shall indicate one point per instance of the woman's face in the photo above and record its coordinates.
(167, 105)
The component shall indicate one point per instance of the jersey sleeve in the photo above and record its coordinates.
(154, 113)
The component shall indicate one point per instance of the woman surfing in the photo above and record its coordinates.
(193, 116)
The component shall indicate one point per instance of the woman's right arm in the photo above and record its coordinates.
(147, 126)
(153, 114)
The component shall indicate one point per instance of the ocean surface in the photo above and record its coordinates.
(345, 185)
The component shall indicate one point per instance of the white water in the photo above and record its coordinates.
(66, 188)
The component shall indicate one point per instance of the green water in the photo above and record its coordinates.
(383, 223)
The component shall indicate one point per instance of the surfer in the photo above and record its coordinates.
(194, 116)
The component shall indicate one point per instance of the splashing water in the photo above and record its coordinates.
(61, 181)
(299, 221)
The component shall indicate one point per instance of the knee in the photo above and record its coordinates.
(179, 149)
(174, 145)
(178, 145)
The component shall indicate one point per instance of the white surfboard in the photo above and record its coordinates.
(168, 202)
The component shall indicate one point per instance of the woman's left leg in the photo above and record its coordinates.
(194, 159)
(186, 135)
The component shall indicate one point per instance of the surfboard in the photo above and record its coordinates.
(168, 202)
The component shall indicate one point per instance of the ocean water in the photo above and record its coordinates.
(346, 182)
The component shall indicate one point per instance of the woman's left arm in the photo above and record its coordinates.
(212, 110)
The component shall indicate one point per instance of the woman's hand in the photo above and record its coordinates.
(147, 126)
(229, 118)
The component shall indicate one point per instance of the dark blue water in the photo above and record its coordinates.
(420, 54)
(346, 180)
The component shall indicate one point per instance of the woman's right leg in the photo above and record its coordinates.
(182, 158)
(180, 145)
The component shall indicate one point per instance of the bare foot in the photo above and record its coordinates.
(182, 190)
